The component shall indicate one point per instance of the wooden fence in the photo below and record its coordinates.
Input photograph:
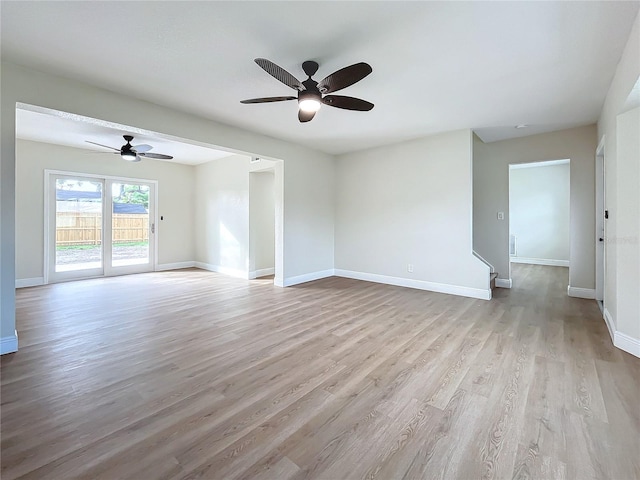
(85, 228)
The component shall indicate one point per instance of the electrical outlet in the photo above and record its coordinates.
(500, 215)
(410, 267)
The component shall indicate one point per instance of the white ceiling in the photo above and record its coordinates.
(49, 126)
(437, 66)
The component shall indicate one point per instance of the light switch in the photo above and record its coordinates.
(500, 215)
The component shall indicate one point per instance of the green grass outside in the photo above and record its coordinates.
(90, 247)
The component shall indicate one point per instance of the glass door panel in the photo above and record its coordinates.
(77, 247)
(130, 224)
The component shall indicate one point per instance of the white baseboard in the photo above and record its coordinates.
(504, 282)
(9, 344)
(628, 344)
(621, 340)
(232, 272)
(261, 273)
(418, 284)
(174, 266)
(610, 325)
(540, 261)
(307, 277)
(29, 282)
(578, 292)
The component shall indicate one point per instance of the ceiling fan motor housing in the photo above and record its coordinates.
(127, 147)
(310, 68)
(311, 93)
(127, 152)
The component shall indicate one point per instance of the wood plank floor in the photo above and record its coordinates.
(189, 374)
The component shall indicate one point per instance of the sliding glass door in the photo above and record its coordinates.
(77, 227)
(132, 227)
(99, 226)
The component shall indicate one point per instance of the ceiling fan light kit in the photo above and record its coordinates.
(310, 93)
(132, 153)
(308, 102)
(130, 156)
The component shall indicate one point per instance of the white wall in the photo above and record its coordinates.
(309, 211)
(621, 287)
(491, 195)
(539, 212)
(175, 199)
(308, 176)
(261, 222)
(627, 233)
(222, 215)
(409, 203)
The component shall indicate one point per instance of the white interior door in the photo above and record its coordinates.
(99, 226)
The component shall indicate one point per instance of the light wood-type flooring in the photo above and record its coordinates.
(190, 374)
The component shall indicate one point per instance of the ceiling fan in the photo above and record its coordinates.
(132, 153)
(310, 93)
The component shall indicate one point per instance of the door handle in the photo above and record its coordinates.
(601, 239)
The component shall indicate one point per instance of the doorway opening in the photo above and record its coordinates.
(66, 160)
(262, 220)
(539, 216)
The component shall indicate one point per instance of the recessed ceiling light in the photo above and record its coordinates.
(522, 125)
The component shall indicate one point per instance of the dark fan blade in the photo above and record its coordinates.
(305, 116)
(279, 73)
(268, 99)
(155, 155)
(344, 77)
(105, 146)
(142, 148)
(348, 103)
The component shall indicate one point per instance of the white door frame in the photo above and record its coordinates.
(50, 232)
(538, 163)
(601, 243)
(106, 270)
(111, 270)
